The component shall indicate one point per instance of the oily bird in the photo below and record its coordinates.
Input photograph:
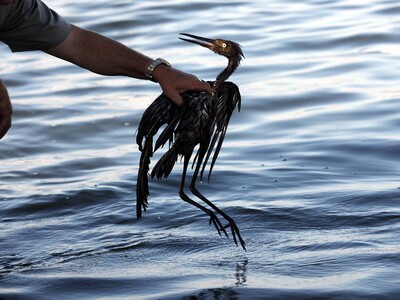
(202, 122)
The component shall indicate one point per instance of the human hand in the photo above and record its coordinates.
(174, 83)
(5, 111)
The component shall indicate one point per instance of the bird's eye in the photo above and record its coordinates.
(223, 45)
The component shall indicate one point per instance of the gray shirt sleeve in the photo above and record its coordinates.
(27, 25)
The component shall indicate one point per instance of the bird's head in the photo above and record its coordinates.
(229, 49)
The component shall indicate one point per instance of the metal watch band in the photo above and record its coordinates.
(153, 65)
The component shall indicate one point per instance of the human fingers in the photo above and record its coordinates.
(174, 95)
(197, 85)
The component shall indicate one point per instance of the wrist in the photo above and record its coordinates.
(155, 68)
(160, 73)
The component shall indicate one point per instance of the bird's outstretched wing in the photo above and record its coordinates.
(162, 111)
(228, 99)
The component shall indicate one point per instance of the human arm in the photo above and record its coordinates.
(5, 110)
(105, 56)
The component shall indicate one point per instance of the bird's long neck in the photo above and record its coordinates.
(224, 75)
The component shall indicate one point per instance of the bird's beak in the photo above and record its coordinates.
(205, 42)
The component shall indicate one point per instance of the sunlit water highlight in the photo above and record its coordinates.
(309, 169)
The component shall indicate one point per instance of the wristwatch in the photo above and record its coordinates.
(153, 65)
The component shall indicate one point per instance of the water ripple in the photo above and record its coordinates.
(309, 168)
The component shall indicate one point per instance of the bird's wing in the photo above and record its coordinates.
(228, 99)
(162, 111)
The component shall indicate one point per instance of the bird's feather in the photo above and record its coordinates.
(228, 99)
(162, 111)
(196, 113)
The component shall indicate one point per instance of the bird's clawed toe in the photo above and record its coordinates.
(237, 238)
(217, 223)
(235, 233)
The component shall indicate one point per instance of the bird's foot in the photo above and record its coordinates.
(235, 233)
(217, 223)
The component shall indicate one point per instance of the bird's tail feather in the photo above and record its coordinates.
(142, 186)
(165, 164)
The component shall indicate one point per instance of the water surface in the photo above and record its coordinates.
(309, 168)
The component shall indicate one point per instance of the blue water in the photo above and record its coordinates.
(309, 169)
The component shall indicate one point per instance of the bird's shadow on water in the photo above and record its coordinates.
(225, 292)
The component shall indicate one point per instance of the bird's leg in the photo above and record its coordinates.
(195, 191)
(213, 218)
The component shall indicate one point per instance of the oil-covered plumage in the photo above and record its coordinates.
(202, 122)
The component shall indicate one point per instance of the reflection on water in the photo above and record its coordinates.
(309, 168)
(224, 293)
(240, 275)
(217, 294)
